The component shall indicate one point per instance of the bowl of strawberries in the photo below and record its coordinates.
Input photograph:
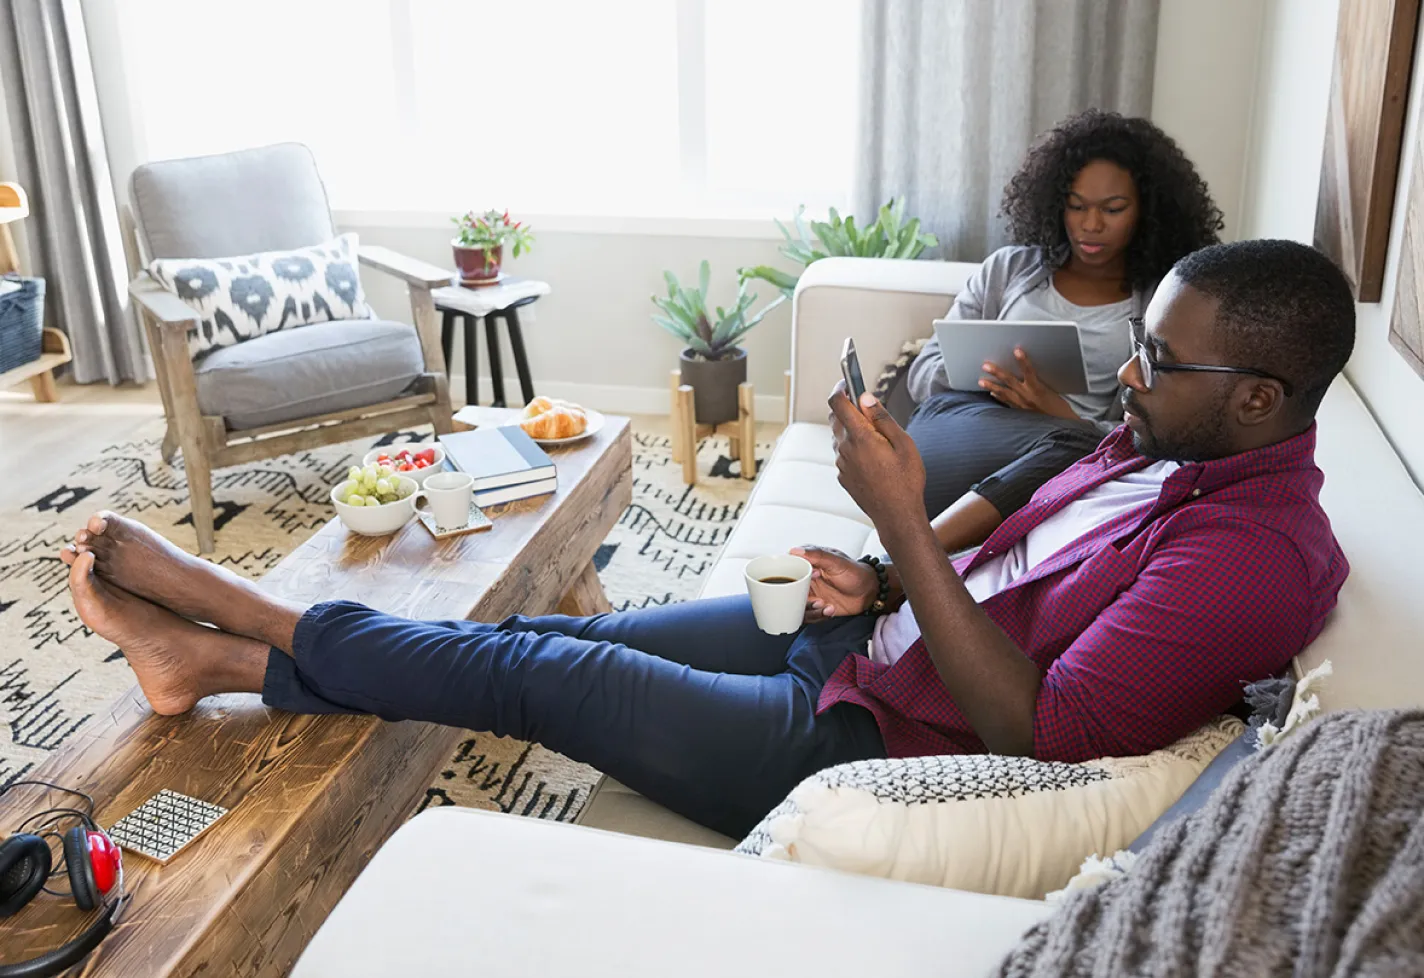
(416, 462)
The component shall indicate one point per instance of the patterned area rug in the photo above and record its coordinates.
(55, 673)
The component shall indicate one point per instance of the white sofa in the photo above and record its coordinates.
(531, 896)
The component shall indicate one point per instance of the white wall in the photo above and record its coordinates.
(1203, 88)
(1283, 175)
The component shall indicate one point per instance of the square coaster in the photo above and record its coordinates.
(164, 824)
(477, 523)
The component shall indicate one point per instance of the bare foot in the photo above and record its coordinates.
(176, 661)
(135, 558)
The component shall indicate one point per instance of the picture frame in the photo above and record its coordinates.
(1364, 131)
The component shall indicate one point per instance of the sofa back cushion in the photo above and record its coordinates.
(878, 302)
(1377, 514)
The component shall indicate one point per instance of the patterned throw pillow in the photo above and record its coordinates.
(987, 823)
(245, 297)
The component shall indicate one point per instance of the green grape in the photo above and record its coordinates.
(354, 474)
(404, 488)
(383, 486)
(355, 499)
(384, 471)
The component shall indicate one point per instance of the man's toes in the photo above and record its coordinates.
(81, 569)
(99, 522)
(67, 553)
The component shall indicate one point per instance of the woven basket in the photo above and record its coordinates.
(21, 322)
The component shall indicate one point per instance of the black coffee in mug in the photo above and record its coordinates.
(777, 580)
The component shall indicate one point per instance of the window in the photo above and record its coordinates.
(624, 107)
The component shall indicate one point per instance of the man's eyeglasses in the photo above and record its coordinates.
(1150, 367)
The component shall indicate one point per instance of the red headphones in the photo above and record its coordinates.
(95, 870)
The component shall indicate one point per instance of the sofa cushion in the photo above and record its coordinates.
(301, 373)
(1013, 826)
(1377, 513)
(460, 892)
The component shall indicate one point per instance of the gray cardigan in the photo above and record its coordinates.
(1002, 277)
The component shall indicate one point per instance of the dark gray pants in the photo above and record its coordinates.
(970, 441)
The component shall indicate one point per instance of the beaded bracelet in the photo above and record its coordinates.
(881, 603)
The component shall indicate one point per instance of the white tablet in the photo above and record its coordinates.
(967, 344)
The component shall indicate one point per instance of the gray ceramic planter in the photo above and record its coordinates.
(714, 384)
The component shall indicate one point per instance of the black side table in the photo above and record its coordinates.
(490, 303)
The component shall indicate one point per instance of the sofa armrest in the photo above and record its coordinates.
(561, 899)
(412, 271)
(163, 307)
(879, 302)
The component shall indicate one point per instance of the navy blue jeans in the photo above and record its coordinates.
(691, 704)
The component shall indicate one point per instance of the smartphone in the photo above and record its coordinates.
(850, 370)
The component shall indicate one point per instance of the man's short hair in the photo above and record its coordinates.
(1285, 308)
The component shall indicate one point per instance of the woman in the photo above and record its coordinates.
(1102, 207)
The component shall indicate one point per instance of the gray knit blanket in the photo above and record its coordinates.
(1307, 861)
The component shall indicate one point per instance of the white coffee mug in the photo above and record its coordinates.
(779, 585)
(450, 495)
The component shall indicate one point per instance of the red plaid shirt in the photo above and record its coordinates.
(1145, 627)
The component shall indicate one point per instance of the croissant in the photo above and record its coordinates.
(537, 406)
(559, 421)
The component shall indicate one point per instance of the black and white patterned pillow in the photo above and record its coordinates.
(988, 823)
(248, 296)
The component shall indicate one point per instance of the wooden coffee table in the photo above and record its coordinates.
(310, 798)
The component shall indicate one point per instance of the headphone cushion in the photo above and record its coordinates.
(81, 871)
(25, 863)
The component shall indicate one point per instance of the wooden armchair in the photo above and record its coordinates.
(272, 199)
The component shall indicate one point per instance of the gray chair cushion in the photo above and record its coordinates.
(300, 373)
(267, 199)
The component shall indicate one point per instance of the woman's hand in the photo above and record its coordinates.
(1027, 394)
(840, 586)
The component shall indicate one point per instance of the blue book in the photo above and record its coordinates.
(498, 457)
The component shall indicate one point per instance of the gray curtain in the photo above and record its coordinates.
(954, 91)
(73, 231)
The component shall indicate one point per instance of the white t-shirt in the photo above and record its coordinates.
(896, 632)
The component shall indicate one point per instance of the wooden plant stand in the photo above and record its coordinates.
(686, 432)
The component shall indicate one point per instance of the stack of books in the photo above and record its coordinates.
(505, 462)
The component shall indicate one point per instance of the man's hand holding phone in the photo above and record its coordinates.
(850, 372)
(876, 461)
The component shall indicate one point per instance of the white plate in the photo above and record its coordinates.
(595, 424)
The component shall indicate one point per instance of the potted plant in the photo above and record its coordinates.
(888, 236)
(712, 363)
(480, 241)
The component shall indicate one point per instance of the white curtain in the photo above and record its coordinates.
(73, 229)
(954, 91)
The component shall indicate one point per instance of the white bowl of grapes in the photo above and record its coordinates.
(375, 500)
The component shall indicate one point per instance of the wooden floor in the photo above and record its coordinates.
(44, 442)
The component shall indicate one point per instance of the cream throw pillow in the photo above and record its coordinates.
(987, 823)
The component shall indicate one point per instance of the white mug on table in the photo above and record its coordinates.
(449, 495)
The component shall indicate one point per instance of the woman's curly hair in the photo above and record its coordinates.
(1176, 214)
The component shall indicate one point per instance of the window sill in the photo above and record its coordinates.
(752, 228)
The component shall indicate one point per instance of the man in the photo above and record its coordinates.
(1123, 607)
